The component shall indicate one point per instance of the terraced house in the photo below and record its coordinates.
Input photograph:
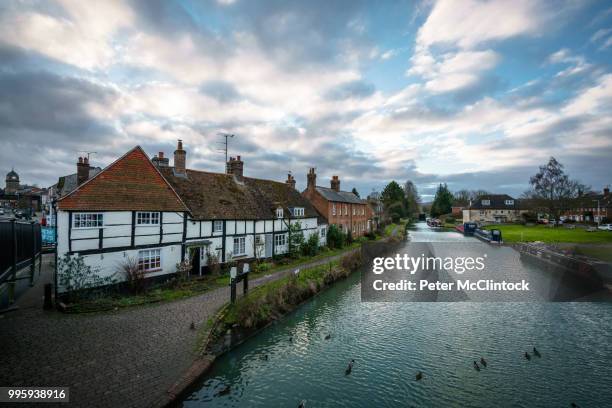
(342, 208)
(159, 215)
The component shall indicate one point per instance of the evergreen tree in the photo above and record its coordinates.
(442, 202)
(356, 192)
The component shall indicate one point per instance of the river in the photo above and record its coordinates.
(292, 361)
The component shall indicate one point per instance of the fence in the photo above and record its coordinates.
(21, 244)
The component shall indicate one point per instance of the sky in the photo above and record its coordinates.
(476, 94)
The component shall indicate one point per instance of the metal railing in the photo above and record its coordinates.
(21, 244)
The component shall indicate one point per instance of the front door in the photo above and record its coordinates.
(269, 243)
(195, 261)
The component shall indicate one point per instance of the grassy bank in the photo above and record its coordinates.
(523, 233)
(272, 300)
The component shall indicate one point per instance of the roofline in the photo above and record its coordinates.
(137, 147)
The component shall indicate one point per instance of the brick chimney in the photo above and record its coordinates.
(235, 166)
(290, 181)
(311, 178)
(82, 170)
(335, 183)
(180, 156)
(160, 160)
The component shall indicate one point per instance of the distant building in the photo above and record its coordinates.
(14, 195)
(377, 208)
(591, 207)
(493, 208)
(457, 208)
(341, 208)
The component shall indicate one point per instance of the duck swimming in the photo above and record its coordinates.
(349, 368)
(536, 352)
(328, 337)
(419, 376)
(224, 391)
(476, 367)
(527, 356)
(302, 404)
(483, 362)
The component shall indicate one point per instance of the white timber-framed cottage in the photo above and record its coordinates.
(159, 215)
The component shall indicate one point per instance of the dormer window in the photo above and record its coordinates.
(298, 211)
(509, 202)
(279, 213)
(486, 202)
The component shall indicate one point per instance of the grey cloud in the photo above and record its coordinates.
(352, 89)
(222, 91)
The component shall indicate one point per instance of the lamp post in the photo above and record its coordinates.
(598, 215)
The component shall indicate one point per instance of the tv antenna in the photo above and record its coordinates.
(224, 143)
(88, 153)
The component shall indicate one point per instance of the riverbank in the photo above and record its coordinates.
(561, 234)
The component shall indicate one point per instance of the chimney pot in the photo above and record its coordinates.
(180, 158)
(235, 166)
(161, 155)
(335, 183)
(82, 170)
(311, 179)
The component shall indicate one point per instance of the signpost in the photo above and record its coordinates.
(235, 278)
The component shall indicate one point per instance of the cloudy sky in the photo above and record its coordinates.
(473, 93)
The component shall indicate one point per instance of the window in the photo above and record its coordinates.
(486, 202)
(323, 232)
(345, 209)
(279, 213)
(298, 212)
(362, 210)
(354, 209)
(149, 260)
(333, 208)
(509, 202)
(217, 226)
(239, 246)
(88, 220)
(280, 239)
(147, 218)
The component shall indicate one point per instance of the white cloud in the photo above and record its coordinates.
(83, 38)
(469, 23)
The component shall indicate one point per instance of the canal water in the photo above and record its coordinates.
(390, 342)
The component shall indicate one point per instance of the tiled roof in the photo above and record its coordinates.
(497, 202)
(222, 196)
(339, 196)
(131, 183)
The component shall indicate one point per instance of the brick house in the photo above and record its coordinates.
(591, 207)
(341, 208)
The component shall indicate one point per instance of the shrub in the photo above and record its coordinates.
(75, 277)
(214, 266)
(134, 276)
(296, 239)
(349, 238)
(262, 267)
(335, 237)
(311, 246)
(351, 262)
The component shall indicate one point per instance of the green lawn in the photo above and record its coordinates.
(522, 233)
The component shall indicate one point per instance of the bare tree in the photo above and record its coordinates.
(552, 189)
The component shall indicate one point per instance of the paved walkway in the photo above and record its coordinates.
(128, 358)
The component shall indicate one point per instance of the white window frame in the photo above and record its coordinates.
(87, 220)
(147, 218)
(323, 232)
(345, 209)
(333, 208)
(279, 213)
(239, 246)
(509, 202)
(150, 260)
(362, 210)
(217, 226)
(486, 202)
(354, 211)
(280, 240)
(298, 211)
